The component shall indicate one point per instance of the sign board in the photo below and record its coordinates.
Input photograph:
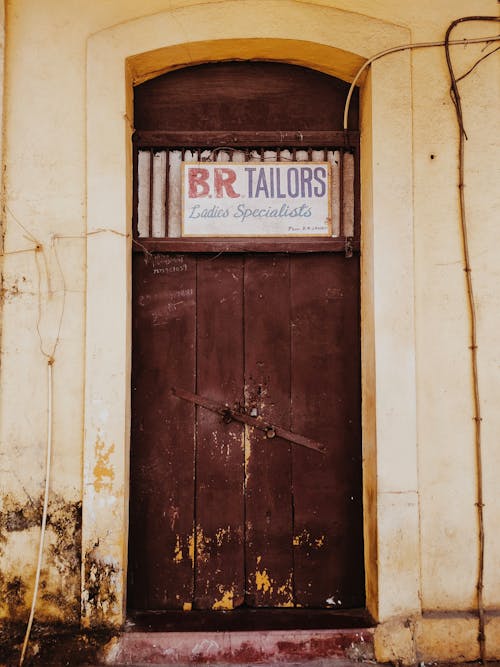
(256, 199)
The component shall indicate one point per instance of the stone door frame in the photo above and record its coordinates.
(333, 41)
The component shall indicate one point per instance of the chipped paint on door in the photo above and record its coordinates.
(221, 515)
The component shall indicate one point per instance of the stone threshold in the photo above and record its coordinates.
(240, 647)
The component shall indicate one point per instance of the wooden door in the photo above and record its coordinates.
(221, 515)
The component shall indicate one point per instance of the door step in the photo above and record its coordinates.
(244, 646)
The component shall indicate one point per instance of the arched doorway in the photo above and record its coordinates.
(246, 354)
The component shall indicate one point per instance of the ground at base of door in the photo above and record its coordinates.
(335, 662)
(241, 647)
(51, 648)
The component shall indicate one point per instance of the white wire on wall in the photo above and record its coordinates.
(405, 47)
(50, 364)
(455, 95)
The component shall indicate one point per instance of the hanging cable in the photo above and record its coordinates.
(406, 47)
(455, 95)
(50, 357)
(471, 304)
(50, 363)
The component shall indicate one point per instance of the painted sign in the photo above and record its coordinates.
(256, 199)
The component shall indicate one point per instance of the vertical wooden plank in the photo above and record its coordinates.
(348, 194)
(151, 191)
(174, 194)
(328, 548)
(159, 194)
(333, 159)
(143, 193)
(219, 573)
(167, 193)
(341, 191)
(135, 194)
(162, 453)
(269, 523)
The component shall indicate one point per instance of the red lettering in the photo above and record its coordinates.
(198, 186)
(223, 180)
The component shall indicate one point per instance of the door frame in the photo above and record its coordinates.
(337, 43)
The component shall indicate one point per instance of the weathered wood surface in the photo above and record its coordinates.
(219, 549)
(215, 246)
(163, 432)
(257, 96)
(269, 521)
(247, 138)
(220, 515)
(325, 402)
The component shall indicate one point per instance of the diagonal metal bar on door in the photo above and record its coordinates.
(271, 430)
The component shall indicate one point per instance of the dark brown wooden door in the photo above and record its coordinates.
(222, 516)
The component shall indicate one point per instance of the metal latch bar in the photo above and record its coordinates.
(228, 414)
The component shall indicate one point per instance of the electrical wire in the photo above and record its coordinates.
(455, 95)
(405, 47)
(50, 364)
(50, 357)
(471, 305)
(471, 69)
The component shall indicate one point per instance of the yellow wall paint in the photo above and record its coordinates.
(51, 137)
(336, 62)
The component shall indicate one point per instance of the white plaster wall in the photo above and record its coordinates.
(446, 451)
(45, 144)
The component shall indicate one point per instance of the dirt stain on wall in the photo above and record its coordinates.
(60, 576)
(57, 637)
(99, 596)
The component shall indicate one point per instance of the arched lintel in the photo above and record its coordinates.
(322, 57)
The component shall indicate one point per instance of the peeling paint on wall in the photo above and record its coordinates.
(59, 595)
(104, 473)
(99, 597)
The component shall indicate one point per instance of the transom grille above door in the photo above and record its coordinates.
(157, 206)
